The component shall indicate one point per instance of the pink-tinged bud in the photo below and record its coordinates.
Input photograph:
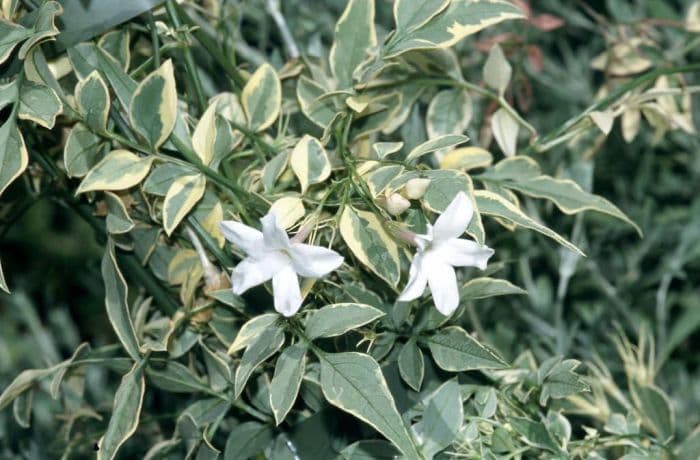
(407, 237)
(415, 188)
(396, 204)
(302, 234)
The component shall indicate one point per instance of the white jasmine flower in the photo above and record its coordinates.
(439, 251)
(272, 255)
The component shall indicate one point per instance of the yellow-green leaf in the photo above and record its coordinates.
(262, 98)
(119, 170)
(354, 35)
(92, 97)
(441, 142)
(505, 130)
(370, 243)
(182, 195)
(310, 162)
(153, 106)
(497, 71)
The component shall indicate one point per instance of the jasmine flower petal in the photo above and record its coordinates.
(285, 286)
(443, 286)
(314, 261)
(274, 235)
(465, 253)
(247, 238)
(455, 219)
(253, 271)
(417, 279)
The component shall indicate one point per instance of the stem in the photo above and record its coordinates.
(154, 40)
(192, 71)
(273, 8)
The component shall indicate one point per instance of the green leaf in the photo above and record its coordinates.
(81, 151)
(362, 231)
(566, 194)
(559, 380)
(380, 178)
(153, 105)
(175, 378)
(310, 162)
(448, 113)
(492, 204)
(126, 413)
(370, 450)
(534, 434)
(655, 408)
(182, 196)
(441, 142)
(118, 220)
(39, 103)
(339, 318)
(460, 19)
(247, 439)
(10, 36)
(118, 170)
(262, 98)
(116, 43)
(411, 364)
(13, 154)
(354, 383)
(481, 288)
(116, 293)
(354, 36)
(442, 418)
(252, 329)
(262, 347)
(22, 408)
(454, 350)
(92, 97)
(286, 381)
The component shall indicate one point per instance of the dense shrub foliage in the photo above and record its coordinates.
(361, 229)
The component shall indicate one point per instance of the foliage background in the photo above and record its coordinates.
(639, 289)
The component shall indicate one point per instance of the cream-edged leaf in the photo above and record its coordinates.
(3, 283)
(81, 151)
(441, 142)
(310, 162)
(118, 220)
(449, 112)
(118, 170)
(384, 149)
(204, 136)
(182, 196)
(13, 154)
(262, 98)
(288, 210)
(505, 130)
(354, 35)
(362, 231)
(39, 104)
(460, 19)
(491, 204)
(692, 17)
(410, 14)
(153, 106)
(497, 71)
(466, 158)
(124, 419)
(92, 97)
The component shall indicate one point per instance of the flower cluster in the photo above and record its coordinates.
(271, 254)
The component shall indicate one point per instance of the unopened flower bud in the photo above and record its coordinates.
(396, 204)
(415, 188)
